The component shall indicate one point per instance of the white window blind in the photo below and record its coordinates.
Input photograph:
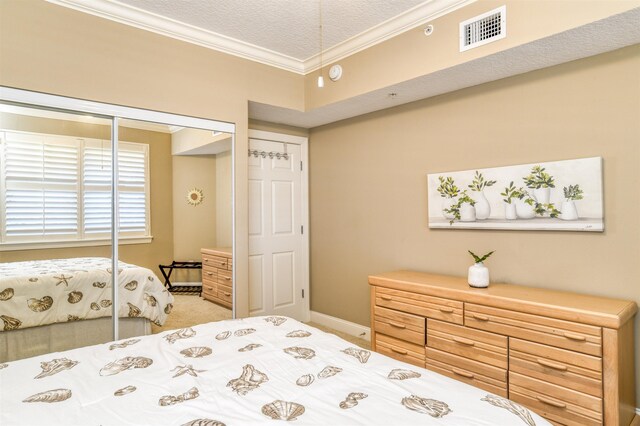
(56, 188)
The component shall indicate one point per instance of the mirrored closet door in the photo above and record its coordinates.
(66, 167)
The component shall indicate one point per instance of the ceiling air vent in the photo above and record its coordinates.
(483, 29)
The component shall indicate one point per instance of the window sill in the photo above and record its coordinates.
(35, 245)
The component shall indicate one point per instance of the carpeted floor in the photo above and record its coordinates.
(189, 310)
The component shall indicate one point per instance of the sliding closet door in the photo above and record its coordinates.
(55, 230)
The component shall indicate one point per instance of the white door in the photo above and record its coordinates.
(277, 282)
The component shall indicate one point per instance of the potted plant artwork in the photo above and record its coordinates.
(511, 194)
(482, 207)
(541, 183)
(449, 191)
(463, 210)
(572, 194)
(478, 273)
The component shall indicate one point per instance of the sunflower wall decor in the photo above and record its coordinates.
(195, 196)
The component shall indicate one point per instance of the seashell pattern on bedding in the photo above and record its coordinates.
(6, 294)
(298, 333)
(134, 311)
(40, 305)
(55, 366)
(10, 323)
(402, 374)
(359, 354)
(125, 390)
(184, 333)
(244, 332)
(283, 410)
(432, 407)
(148, 380)
(203, 422)
(305, 380)
(123, 344)
(249, 347)
(74, 297)
(277, 321)
(54, 395)
(511, 407)
(352, 400)
(131, 285)
(171, 400)
(197, 352)
(124, 364)
(224, 335)
(328, 372)
(249, 380)
(75, 289)
(300, 353)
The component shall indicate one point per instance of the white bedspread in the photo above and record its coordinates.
(50, 291)
(240, 372)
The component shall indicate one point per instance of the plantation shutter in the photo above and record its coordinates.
(40, 182)
(97, 188)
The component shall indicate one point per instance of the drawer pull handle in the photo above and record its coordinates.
(463, 341)
(396, 325)
(553, 365)
(206, 260)
(209, 288)
(227, 278)
(209, 273)
(576, 337)
(224, 263)
(462, 373)
(446, 310)
(480, 317)
(399, 351)
(387, 298)
(551, 402)
(226, 294)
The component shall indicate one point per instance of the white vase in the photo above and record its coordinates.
(478, 276)
(569, 211)
(446, 204)
(542, 195)
(467, 213)
(510, 211)
(524, 210)
(483, 209)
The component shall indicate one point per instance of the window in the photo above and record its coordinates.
(58, 189)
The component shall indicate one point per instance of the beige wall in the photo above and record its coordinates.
(194, 227)
(147, 255)
(56, 50)
(412, 54)
(368, 184)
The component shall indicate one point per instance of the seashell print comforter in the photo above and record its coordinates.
(44, 292)
(203, 375)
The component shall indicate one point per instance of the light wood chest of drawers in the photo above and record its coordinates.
(566, 356)
(217, 275)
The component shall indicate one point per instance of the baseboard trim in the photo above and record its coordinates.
(344, 326)
(637, 411)
(186, 283)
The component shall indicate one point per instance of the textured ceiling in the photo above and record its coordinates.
(289, 27)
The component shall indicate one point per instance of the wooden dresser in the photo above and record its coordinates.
(569, 357)
(217, 275)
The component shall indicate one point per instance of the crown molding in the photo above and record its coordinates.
(129, 15)
(132, 16)
(418, 15)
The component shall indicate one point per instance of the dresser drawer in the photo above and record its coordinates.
(215, 261)
(400, 349)
(555, 402)
(399, 324)
(477, 345)
(563, 334)
(225, 293)
(466, 371)
(209, 287)
(209, 273)
(224, 277)
(573, 370)
(420, 304)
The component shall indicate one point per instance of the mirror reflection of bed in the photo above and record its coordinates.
(55, 222)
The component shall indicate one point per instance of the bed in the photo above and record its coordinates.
(246, 372)
(51, 305)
